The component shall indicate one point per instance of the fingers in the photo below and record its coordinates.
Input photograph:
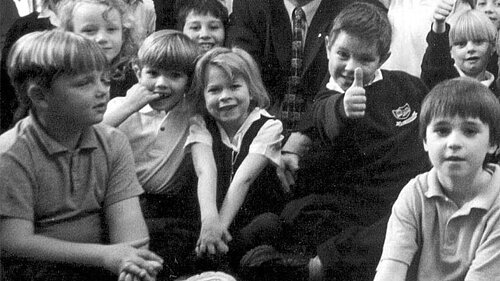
(285, 182)
(358, 78)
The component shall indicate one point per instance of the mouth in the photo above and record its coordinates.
(163, 95)
(454, 159)
(227, 107)
(472, 59)
(206, 46)
(101, 107)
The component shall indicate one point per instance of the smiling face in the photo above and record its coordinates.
(79, 100)
(226, 100)
(472, 56)
(170, 84)
(206, 30)
(348, 53)
(492, 9)
(88, 20)
(457, 147)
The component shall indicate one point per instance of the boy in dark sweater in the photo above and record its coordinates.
(368, 122)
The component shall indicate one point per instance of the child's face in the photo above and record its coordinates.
(458, 146)
(471, 56)
(226, 100)
(88, 21)
(78, 99)
(491, 8)
(170, 84)
(206, 30)
(348, 53)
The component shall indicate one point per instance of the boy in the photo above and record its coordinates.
(367, 119)
(204, 21)
(155, 118)
(62, 176)
(450, 215)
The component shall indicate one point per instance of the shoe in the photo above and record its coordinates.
(266, 263)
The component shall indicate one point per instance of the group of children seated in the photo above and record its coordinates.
(177, 173)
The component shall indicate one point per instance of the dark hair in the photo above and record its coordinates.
(42, 56)
(366, 21)
(168, 50)
(464, 97)
(202, 7)
(234, 62)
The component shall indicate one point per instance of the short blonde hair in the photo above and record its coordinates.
(234, 62)
(472, 25)
(40, 57)
(168, 50)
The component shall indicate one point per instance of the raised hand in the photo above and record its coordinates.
(442, 11)
(138, 96)
(355, 97)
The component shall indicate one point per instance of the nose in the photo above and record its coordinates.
(102, 89)
(488, 9)
(454, 140)
(204, 32)
(101, 37)
(470, 47)
(224, 95)
(162, 82)
(352, 64)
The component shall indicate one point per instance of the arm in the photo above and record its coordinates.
(391, 270)
(213, 236)
(247, 172)
(437, 63)
(120, 108)
(19, 239)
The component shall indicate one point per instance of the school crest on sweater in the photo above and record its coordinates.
(404, 115)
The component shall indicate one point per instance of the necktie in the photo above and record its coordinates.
(293, 104)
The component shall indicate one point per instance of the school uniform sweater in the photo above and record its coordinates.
(374, 156)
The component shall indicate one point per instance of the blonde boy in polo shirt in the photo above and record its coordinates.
(445, 224)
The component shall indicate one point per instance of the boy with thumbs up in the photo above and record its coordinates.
(368, 122)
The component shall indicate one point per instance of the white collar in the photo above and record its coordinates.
(309, 9)
(489, 77)
(332, 84)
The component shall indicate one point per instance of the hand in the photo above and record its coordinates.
(355, 97)
(213, 238)
(442, 11)
(130, 262)
(138, 96)
(287, 171)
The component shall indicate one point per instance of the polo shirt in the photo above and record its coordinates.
(453, 243)
(63, 192)
(157, 139)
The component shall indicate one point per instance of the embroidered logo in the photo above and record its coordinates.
(404, 115)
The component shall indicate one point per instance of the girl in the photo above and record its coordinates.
(471, 48)
(234, 144)
(109, 24)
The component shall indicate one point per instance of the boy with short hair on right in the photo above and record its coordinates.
(450, 215)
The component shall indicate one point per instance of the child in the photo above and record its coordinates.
(154, 117)
(204, 21)
(472, 43)
(68, 186)
(367, 119)
(450, 215)
(109, 23)
(234, 146)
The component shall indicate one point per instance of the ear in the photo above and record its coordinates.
(384, 58)
(492, 149)
(137, 71)
(37, 95)
(327, 48)
(425, 145)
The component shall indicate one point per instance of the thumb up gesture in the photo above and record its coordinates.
(355, 98)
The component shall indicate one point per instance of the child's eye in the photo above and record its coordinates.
(441, 131)
(478, 41)
(460, 44)
(470, 132)
(89, 31)
(235, 86)
(175, 74)
(215, 26)
(152, 72)
(194, 27)
(213, 90)
(343, 55)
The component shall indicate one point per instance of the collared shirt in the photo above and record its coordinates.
(309, 9)
(455, 243)
(63, 192)
(332, 84)
(157, 139)
(267, 142)
(487, 82)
